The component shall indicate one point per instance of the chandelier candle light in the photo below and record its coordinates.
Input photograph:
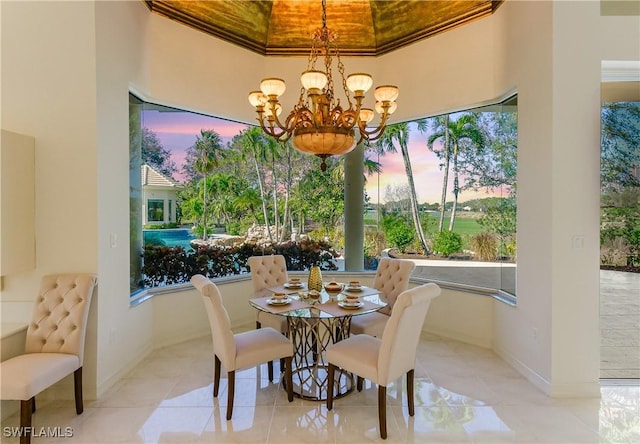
(318, 123)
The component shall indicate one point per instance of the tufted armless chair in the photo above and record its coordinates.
(392, 278)
(54, 347)
(241, 350)
(384, 360)
(268, 271)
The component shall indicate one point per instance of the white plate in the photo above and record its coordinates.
(350, 306)
(290, 285)
(354, 289)
(273, 301)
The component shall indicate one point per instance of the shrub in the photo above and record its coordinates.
(446, 243)
(400, 236)
(173, 265)
(485, 246)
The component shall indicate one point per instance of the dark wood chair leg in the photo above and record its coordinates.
(382, 410)
(230, 392)
(282, 362)
(26, 409)
(359, 383)
(216, 376)
(77, 388)
(258, 325)
(330, 379)
(33, 404)
(410, 393)
(288, 377)
(270, 370)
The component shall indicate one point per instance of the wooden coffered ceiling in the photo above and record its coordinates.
(285, 27)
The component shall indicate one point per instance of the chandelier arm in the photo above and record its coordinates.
(271, 131)
(348, 119)
(373, 134)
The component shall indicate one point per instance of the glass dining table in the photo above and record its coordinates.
(314, 323)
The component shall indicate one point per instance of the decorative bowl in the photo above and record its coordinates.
(333, 287)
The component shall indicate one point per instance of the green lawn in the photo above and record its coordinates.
(465, 226)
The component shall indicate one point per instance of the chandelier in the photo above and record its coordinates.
(318, 123)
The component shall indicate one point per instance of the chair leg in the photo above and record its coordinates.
(77, 388)
(33, 404)
(258, 325)
(330, 379)
(26, 409)
(216, 376)
(230, 391)
(288, 377)
(410, 393)
(382, 410)
(270, 370)
(359, 383)
(282, 361)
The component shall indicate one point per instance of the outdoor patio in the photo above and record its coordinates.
(619, 325)
(619, 309)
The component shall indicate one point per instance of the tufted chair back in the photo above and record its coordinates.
(58, 323)
(402, 332)
(267, 271)
(224, 345)
(392, 278)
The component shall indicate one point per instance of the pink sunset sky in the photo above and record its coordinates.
(178, 130)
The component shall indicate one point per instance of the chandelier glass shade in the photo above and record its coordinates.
(318, 123)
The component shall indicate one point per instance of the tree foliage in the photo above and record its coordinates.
(620, 144)
(155, 155)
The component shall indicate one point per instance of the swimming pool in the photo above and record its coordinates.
(171, 237)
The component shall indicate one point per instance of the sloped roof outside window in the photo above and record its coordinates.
(153, 178)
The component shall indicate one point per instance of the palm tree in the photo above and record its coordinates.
(209, 153)
(273, 151)
(399, 132)
(441, 130)
(465, 128)
(253, 146)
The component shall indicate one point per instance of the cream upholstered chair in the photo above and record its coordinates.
(268, 271)
(385, 360)
(241, 350)
(392, 278)
(54, 347)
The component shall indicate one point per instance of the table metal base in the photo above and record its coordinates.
(310, 337)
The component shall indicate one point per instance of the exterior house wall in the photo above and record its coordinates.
(168, 198)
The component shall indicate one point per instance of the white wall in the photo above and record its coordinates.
(124, 332)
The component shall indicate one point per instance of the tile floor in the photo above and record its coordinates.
(464, 394)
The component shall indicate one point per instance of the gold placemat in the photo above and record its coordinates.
(365, 291)
(295, 304)
(334, 309)
(283, 289)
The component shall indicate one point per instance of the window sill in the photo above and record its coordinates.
(499, 295)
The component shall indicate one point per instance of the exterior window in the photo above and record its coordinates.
(155, 210)
(440, 190)
(444, 194)
(620, 186)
